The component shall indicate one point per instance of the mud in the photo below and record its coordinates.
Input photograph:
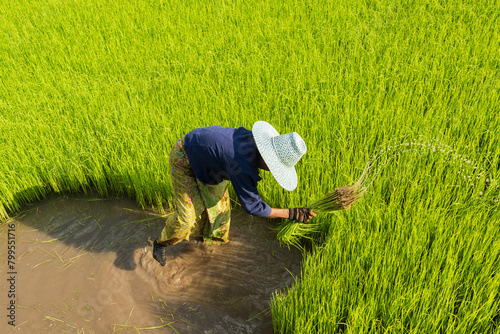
(85, 266)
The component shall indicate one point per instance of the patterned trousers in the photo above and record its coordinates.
(201, 210)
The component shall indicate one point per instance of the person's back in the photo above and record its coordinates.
(218, 153)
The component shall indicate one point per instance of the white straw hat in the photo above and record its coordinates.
(280, 152)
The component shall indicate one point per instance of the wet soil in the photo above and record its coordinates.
(84, 265)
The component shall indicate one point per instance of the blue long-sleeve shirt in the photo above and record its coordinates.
(218, 153)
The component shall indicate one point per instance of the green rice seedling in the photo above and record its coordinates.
(59, 308)
(289, 232)
(53, 319)
(39, 264)
(138, 329)
(340, 199)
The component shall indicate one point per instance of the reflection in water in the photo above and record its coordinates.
(86, 266)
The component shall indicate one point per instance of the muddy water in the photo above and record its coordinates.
(85, 266)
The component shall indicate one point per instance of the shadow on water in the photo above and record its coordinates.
(86, 264)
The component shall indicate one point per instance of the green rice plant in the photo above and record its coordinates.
(340, 199)
(93, 94)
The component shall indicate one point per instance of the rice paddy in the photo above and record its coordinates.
(93, 94)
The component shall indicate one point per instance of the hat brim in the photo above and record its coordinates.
(284, 175)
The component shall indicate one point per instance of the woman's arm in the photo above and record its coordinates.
(278, 213)
(283, 213)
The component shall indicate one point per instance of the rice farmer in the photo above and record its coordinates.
(203, 163)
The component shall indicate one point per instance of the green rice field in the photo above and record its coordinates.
(93, 94)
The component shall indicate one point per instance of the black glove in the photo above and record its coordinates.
(300, 215)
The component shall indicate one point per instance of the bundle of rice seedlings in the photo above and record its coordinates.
(343, 197)
(340, 199)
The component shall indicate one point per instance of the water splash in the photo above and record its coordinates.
(485, 187)
(470, 171)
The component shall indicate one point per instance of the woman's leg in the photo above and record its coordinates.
(188, 204)
(218, 206)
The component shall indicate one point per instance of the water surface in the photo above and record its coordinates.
(85, 266)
